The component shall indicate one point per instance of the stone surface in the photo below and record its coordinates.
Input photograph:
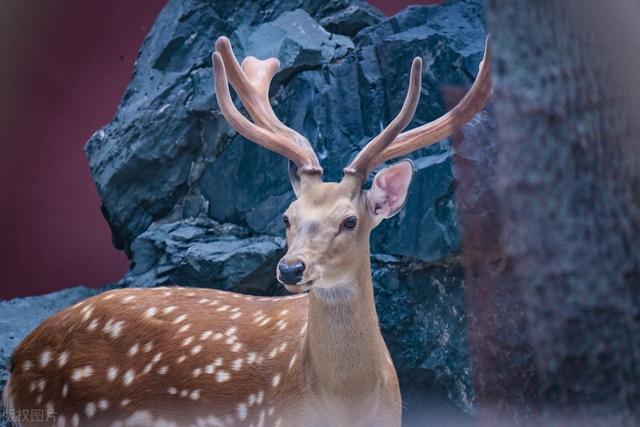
(193, 203)
(202, 252)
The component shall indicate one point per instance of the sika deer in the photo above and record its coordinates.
(201, 357)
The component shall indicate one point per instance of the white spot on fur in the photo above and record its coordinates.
(203, 300)
(129, 298)
(156, 358)
(169, 309)
(194, 395)
(79, 374)
(133, 350)
(242, 411)
(184, 393)
(163, 370)
(75, 420)
(148, 367)
(93, 325)
(265, 321)
(231, 331)
(128, 377)
(276, 380)
(41, 385)
(27, 365)
(184, 328)
(172, 391)
(125, 402)
(251, 357)
(271, 411)
(222, 376)
(196, 349)
(45, 358)
(151, 311)
(148, 347)
(113, 328)
(181, 359)
(180, 318)
(103, 404)
(236, 347)
(282, 324)
(205, 335)
(187, 341)
(196, 372)
(223, 308)
(303, 329)
(236, 365)
(108, 297)
(217, 336)
(218, 361)
(293, 360)
(283, 312)
(90, 409)
(65, 390)
(234, 316)
(86, 311)
(259, 397)
(210, 369)
(112, 373)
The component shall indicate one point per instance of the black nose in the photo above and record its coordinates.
(291, 273)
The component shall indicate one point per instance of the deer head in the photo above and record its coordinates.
(328, 225)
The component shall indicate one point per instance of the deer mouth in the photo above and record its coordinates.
(299, 288)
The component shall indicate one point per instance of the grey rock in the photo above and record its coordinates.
(201, 252)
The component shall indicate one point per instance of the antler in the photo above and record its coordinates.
(251, 81)
(391, 143)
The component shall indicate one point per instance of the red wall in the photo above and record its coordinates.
(65, 65)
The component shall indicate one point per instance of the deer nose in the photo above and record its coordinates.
(291, 274)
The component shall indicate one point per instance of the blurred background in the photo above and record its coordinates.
(65, 66)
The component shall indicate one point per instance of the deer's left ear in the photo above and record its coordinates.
(388, 194)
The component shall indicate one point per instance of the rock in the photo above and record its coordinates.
(193, 203)
(422, 315)
(202, 252)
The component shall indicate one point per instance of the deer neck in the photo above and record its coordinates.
(343, 347)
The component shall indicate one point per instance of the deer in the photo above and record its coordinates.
(180, 356)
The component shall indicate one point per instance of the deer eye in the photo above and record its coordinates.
(350, 222)
(285, 219)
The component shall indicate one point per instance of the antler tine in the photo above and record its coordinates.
(362, 164)
(443, 127)
(251, 82)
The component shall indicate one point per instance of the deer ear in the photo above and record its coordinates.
(294, 178)
(389, 190)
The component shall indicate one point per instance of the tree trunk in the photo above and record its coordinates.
(567, 202)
